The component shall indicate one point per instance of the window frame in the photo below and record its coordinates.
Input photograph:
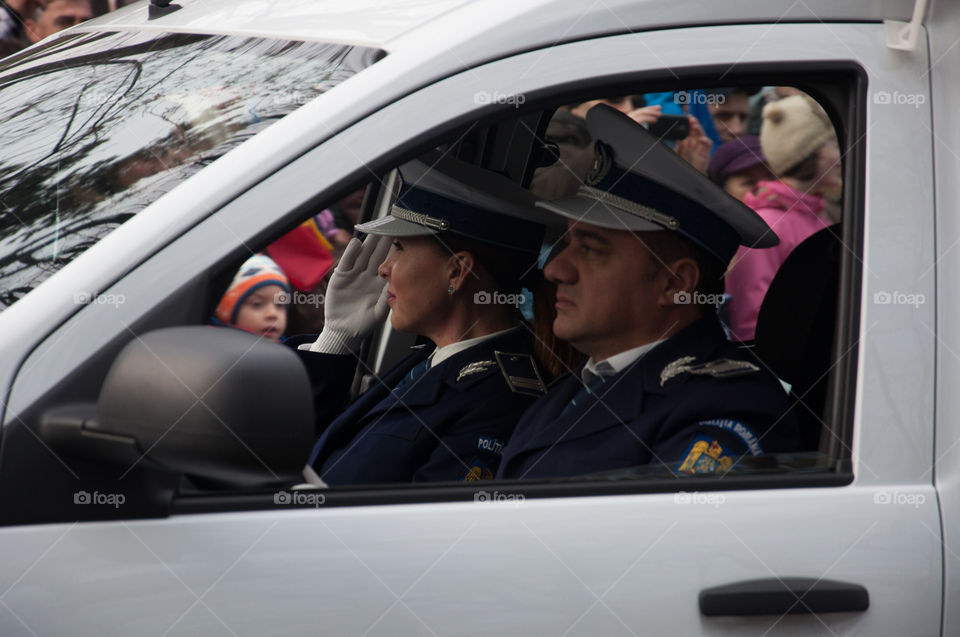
(843, 376)
(850, 112)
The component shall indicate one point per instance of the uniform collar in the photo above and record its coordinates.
(442, 354)
(616, 363)
(459, 371)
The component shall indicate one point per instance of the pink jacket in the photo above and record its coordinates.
(794, 216)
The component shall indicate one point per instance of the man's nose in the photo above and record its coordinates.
(559, 269)
(737, 125)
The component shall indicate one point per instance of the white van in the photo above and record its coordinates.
(147, 153)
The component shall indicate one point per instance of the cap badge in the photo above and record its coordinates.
(602, 162)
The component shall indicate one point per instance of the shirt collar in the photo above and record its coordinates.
(442, 354)
(616, 363)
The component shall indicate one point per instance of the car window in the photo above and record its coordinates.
(97, 129)
(722, 142)
(508, 143)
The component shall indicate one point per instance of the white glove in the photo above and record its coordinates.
(356, 298)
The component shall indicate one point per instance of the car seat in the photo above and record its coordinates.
(796, 327)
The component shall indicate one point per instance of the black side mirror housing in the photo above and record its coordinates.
(213, 403)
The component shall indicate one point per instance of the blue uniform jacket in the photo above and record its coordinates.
(663, 409)
(450, 424)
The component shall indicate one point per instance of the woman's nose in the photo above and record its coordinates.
(384, 270)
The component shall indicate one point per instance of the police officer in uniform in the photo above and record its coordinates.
(648, 240)
(447, 261)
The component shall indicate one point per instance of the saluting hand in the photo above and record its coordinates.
(356, 298)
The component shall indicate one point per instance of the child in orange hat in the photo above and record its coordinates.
(256, 300)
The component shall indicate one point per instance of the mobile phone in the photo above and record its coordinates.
(670, 127)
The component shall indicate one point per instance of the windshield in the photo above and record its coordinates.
(98, 127)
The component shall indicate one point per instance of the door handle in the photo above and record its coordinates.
(779, 596)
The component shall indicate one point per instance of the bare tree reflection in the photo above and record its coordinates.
(91, 140)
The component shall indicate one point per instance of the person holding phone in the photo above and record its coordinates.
(684, 132)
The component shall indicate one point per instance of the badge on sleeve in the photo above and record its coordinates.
(706, 455)
(478, 471)
(749, 439)
(487, 443)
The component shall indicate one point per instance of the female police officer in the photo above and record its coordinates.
(459, 240)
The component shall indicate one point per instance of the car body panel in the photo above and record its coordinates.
(361, 22)
(499, 24)
(585, 566)
(945, 464)
(534, 564)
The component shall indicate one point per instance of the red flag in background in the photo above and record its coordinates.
(303, 254)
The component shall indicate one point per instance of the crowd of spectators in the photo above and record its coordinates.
(26, 22)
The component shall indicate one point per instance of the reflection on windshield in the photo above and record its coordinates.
(98, 130)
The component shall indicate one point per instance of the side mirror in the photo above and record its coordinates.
(213, 403)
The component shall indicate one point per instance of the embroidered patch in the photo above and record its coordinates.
(474, 368)
(677, 367)
(720, 368)
(478, 471)
(705, 455)
(490, 444)
(739, 429)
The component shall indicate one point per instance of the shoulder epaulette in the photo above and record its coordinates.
(521, 373)
(720, 368)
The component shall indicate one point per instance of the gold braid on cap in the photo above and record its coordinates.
(420, 219)
(632, 207)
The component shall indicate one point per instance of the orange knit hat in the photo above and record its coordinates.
(256, 272)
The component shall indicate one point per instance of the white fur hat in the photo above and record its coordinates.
(793, 129)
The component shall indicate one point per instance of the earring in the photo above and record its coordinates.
(450, 290)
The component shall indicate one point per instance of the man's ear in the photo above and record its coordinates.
(679, 280)
(460, 266)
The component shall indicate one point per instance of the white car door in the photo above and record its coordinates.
(593, 558)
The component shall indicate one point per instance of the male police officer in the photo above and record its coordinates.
(649, 239)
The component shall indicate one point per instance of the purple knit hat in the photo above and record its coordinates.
(735, 156)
